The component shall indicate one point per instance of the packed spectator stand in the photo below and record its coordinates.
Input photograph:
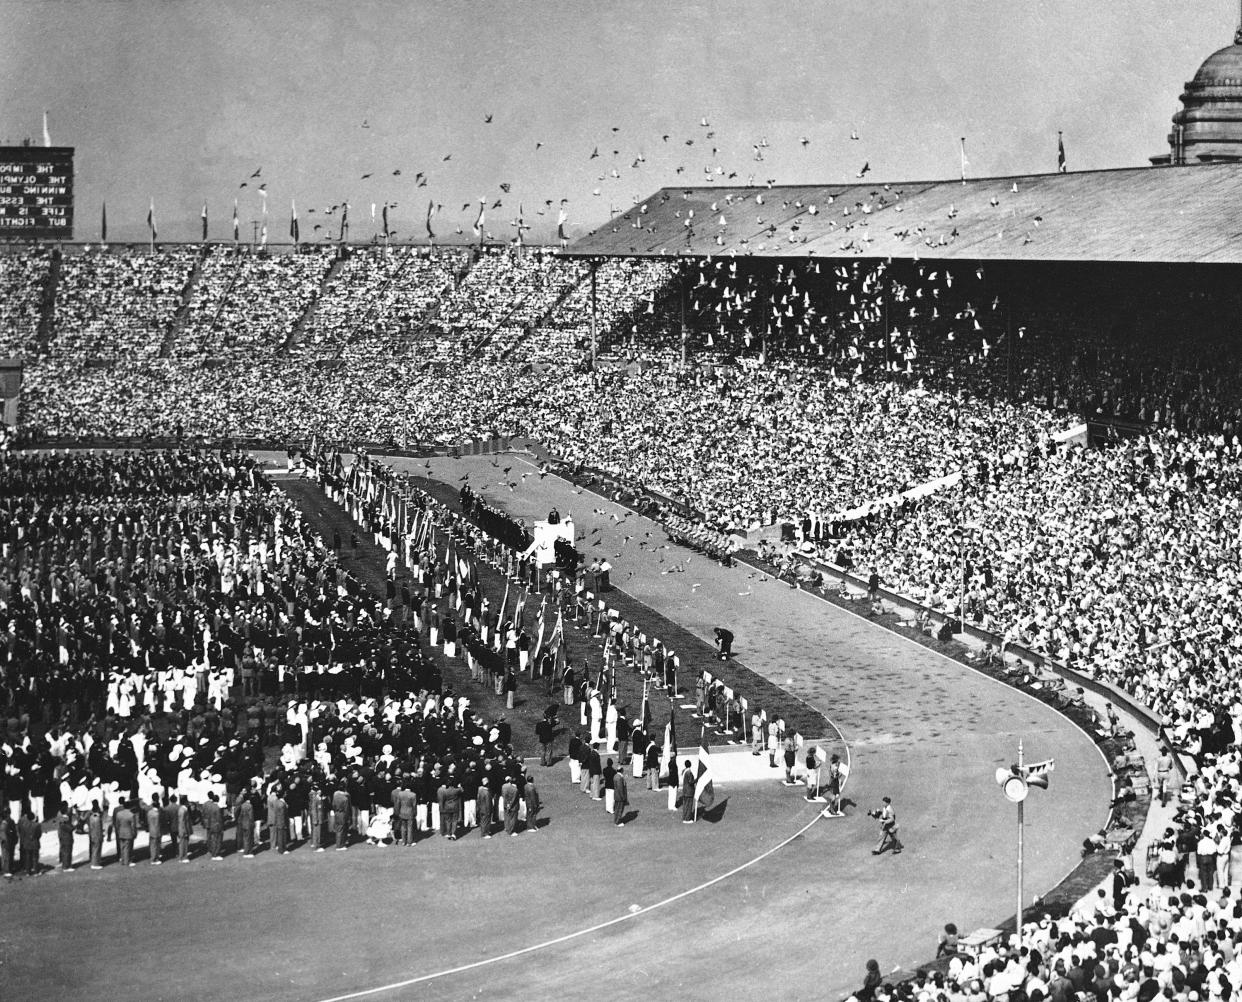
(1119, 561)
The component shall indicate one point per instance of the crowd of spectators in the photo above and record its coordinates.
(247, 303)
(23, 284)
(377, 300)
(118, 305)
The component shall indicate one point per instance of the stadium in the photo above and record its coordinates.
(771, 585)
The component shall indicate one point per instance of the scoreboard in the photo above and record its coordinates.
(36, 193)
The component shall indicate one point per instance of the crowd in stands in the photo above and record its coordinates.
(377, 297)
(118, 306)
(23, 283)
(247, 303)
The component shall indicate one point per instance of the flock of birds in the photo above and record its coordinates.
(335, 218)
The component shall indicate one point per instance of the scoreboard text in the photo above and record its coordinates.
(36, 193)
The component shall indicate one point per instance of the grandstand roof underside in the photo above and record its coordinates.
(1182, 215)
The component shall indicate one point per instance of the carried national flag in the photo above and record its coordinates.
(103, 224)
(539, 632)
(204, 218)
(645, 714)
(1037, 773)
(704, 791)
(431, 211)
(558, 634)
(478, 223)
(965, 162)
(1060, 154)
(47, 136)
(236, 226)
(670, 734)
(294, 233)
(500, 620)
(151, 221)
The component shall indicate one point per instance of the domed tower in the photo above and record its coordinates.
(1208, 128)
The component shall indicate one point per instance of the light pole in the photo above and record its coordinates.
(1013, 783)
(1016, 783)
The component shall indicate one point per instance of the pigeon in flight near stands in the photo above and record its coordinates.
(594, 154)
(853, 134)
(865, 168)
(487, 119)
(257, 172)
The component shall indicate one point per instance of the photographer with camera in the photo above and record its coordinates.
(888, 828)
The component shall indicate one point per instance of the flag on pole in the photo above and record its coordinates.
(521, 224)
(103, 224)
(236, 226)
(385, 220)
(478, 223)
(670, 736)
(965, 162)
(561, 217)
(500, 620)
(293, 221)
(704, 792)
(47, 136)
(645, 715)
(521, 607)
(558, 634)
(539, 632)
(1060, 153)
(1037, 773)
(344, 219)
(204, 217)
(431, 211)
(151, 221)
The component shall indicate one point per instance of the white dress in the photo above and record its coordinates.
(380, 828)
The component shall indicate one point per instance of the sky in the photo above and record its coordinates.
(180, 102)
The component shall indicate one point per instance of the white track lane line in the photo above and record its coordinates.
(548, 943)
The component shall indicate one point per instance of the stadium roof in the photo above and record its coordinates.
(1187, 214)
